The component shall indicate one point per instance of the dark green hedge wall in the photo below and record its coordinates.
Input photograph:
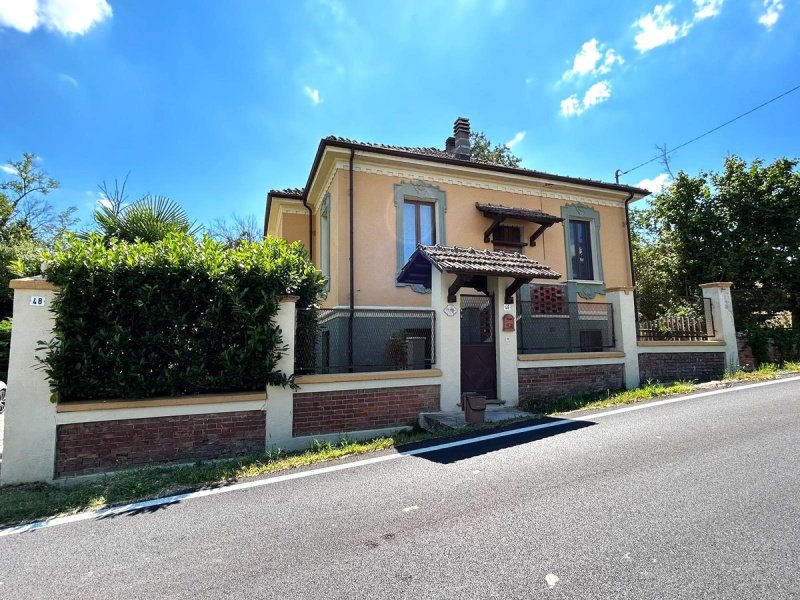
(179, 316)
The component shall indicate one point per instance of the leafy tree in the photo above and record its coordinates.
(28, 222)
(482, 149)
(740, 225)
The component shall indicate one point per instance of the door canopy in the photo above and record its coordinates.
(471, 268)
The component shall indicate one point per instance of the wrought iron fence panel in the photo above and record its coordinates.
(365, 340)
(565, 327)
(695, 325)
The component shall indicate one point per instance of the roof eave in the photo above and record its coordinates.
(475, 165)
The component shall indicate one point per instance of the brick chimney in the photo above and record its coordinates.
(450, 145)
(461, 132)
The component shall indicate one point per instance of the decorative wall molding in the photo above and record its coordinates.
(293, 211)
(420, 176)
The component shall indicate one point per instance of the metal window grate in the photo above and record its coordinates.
(554, 327)
(365, 340)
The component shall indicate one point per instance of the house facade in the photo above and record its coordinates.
(448, 274)
(445, 274)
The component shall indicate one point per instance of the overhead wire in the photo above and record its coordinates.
(710, 131)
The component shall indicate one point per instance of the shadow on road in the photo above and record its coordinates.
(463, 452)
(135, 512)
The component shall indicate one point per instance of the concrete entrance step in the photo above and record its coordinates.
(455, 420)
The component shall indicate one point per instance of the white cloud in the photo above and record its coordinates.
(68, 17)
(571, 106)
(590, 56)
(657, 29)
(598, 93)
(611, 58)
(8, 169)
(19, 14)
(705, 9)
(68, 79)
(772, 11)
(586, 60)
(313, 95)
(518, 137)
(656, 184)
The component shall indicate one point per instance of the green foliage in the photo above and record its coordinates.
(740, 225)
(178, 316)
(5, 344)
(27, 223)
(784, 341)
(500, 154)
(148, 219)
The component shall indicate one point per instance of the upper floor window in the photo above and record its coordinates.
(580, 248)
(420, 220)
(507, 238)
(419, 226)
(582, 237)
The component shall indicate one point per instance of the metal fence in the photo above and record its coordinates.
(564, 327)
(693, 322)
(365, 340)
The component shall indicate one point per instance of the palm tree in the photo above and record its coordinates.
(148, 219)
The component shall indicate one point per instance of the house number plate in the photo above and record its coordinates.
(450, 310)
(37, 301)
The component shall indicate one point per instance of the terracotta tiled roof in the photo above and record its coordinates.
(452, 259)
(430, 151)
(288, 192)
(436, 153)
(528, 214)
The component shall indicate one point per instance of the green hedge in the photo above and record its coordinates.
(5, 343)
(179, 316)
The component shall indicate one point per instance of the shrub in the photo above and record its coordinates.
(173, 317)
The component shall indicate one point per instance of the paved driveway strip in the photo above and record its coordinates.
(687, 499)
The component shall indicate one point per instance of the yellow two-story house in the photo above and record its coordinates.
(495, 278)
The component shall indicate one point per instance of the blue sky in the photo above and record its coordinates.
(214, 103)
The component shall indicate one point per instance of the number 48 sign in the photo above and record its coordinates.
(37, 301)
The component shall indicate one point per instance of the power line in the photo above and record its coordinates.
(710, 131)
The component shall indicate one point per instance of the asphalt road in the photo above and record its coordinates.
(696, 499)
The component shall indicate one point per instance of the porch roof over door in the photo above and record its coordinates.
(472, 267)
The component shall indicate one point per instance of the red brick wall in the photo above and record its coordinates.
(354, 410)
(83, 448)
(671, 366)
(557, 382)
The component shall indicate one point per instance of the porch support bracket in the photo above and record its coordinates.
(538, 233)
(487, 235)
(514, 288)
(460, 281)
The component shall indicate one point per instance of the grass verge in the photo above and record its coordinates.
(764, 372)
(19, 504)
(604, 399)
(23, 503)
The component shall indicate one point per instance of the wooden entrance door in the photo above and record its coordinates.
(478, 366)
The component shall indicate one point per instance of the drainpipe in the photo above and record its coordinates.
(630, 257)
(310, 227)
(352, 272)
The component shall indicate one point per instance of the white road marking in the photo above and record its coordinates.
(410, 508)
(146, 504)
(551, 579)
